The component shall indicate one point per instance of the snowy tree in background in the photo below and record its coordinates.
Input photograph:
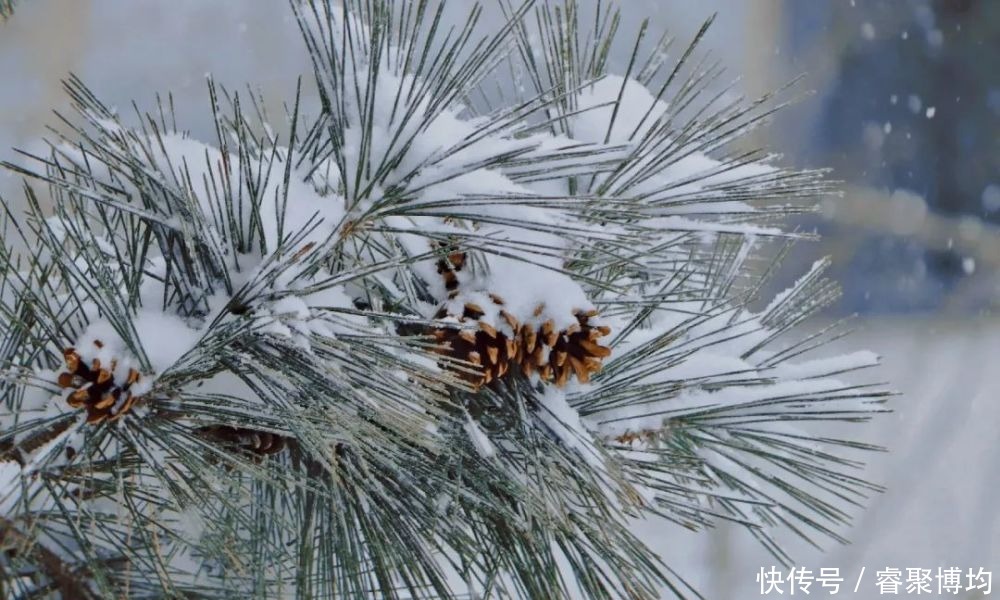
(446, 334)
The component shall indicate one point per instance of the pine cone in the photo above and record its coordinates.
(489, 348)
(449, 267)
(95, 388)
(556, 355)
(260, 443)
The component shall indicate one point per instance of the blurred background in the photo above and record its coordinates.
(904, 108)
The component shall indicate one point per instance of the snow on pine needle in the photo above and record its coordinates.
(444, 328)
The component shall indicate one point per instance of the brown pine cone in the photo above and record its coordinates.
(449, 267)
(554, 355)
(95, 387)
(260, 443)
(489, 349)
(557, 355)
(502, 340)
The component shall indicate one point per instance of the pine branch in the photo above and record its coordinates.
(67, 580)
(433, 339)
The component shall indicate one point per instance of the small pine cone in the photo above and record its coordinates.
(95, 388)
(449, 267)
(554, 355)
(488, 348)
(260, 443)
(558, 355)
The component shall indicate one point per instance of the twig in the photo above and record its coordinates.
(62, 575)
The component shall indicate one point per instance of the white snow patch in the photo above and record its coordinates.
(969, 265)
(480, 441)
(599, 100)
